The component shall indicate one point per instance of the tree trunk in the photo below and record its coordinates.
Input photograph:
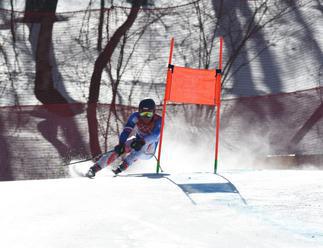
(100, 28)
(106, 54)
(44, 84)
(102, 60)
(43, 12)
(36, 9)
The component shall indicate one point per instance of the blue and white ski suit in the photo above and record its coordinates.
(136, 128)
(149, 132)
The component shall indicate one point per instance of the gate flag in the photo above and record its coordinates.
(194, 86)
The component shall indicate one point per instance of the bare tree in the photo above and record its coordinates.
(12, 68)
(245, 26)
(240, 30)
(100, 63)
(123, 63)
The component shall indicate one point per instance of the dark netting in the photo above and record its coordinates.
(144, 51)
(272, 96)
(282, 56)
(36, 141)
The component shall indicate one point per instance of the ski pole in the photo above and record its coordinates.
(84, 160)
(80, 161)
(96, 157)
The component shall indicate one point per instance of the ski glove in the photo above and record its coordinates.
(137, 144)
(119, 149)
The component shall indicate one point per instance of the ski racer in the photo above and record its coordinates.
(145, 126)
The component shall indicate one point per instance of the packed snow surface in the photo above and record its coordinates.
(238, 208)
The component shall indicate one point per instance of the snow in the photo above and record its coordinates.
(238, 208)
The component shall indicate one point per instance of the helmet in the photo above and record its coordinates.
(147, 105)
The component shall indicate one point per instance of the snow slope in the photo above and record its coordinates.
(246, 208)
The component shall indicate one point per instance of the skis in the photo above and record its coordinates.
(82, 168)
(76, 171)
(110, 159)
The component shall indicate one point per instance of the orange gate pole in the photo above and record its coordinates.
(218, 104)
(166, 97)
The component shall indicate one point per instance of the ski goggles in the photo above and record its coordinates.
(146, 114)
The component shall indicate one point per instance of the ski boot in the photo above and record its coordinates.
(120, 168)
(93, 170)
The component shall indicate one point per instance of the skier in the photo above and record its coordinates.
(145, 125)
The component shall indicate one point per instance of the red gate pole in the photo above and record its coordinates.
(218, 104)
(166, 97)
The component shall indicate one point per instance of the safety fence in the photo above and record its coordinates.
(36, 141)
(283, 56)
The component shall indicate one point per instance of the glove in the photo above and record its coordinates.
(119, 149)
(137, 144)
